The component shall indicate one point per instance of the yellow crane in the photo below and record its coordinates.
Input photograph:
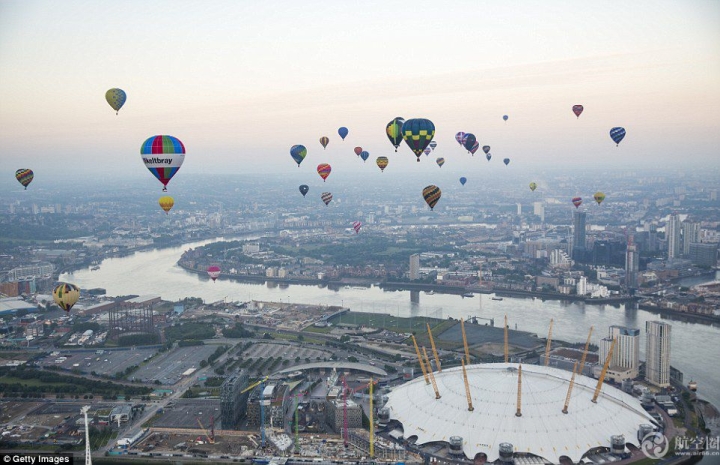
(422, 365)
(253, 385)
(506, 348)
(209, 436)
(518, 413)
(604, 371)
(430, 373)
(467, 387)
(584, 355)
(567, 398)
(435, 353)
(547, 346)
(467, 350)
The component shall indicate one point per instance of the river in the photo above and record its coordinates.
(695, 346)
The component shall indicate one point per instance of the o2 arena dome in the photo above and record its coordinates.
(502, 422)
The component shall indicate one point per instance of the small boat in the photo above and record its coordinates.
(468, 294)
(430, 292)
(496, 298)
(692, 385)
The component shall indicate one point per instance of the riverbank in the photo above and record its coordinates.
(682, 316)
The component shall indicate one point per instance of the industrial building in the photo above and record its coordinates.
(335, 414)
(506, 411)
(233, 401)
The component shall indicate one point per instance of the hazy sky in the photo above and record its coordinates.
(239, 82)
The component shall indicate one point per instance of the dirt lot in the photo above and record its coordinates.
(11, 410)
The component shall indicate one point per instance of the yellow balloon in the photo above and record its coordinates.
(116, 98)
(533, 186)
(166, 203)
(66, 295)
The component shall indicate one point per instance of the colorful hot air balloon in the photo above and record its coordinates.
(577, 201)
(326, 197)
(163, 156)
(304, 188)
(431, 194)
(357, 150)
(418, 133)
(324, 141)
(432, 145)
(533, 186)
(356, 226)
(469, 141)
(382, 163)
(488, 156)
(324, 170)
(505, 117)
(364, 155)
(577, 109)
(166, 203)
(617, 135)
(506, 161)
(116, 98)
(213, 271)
(474, 148)
(298, 153)
(599, 197)
(459, 137)
(343, 132)
(486, 149)
(66, 295)
(24, 176)
(440, 161)
(394, 131)
(427, 151)
(463, 180)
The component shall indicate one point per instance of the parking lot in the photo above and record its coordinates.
(107, 363)
(169, 367)
(185, 413)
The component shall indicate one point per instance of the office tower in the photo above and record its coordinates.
(690, 233)
(703, 254)
(672, 236)
(578, 250)
(414, 266)
(626, 354)
(657, 351)
(632, 264)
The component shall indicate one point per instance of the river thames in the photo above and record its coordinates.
(695, 347)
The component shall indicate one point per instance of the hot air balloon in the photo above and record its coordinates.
(432, 145)
(326, 197)
(66, 295)
(577, 109)
(431, 194)
(163, 156)
(358, 151)
(506, 161)
(364, 155)
(533, 186)
(427, 151)
(599, 197)
(343, 132)
(418, 133)
(505, 117)
(356, 226)
(166, 203)
(304, 188)
(463, 180)
(459, 137)
(382, 163)
(474, 148)
(469, 141)
(323, 170)
(394, 131)
(486, 149)
(488, 156)
(577, 201)
(116, 98)
(24, 176)
(617, 135)
(213, 271)
(324, 141)
(440, 161)
(298, 153)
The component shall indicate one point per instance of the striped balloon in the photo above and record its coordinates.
(440, 161)
(475, 147)
(163, 156)
(617, 135)
(382, 163)
(431, 194)
(324, 141)
(24, 176)
(459, 137)
(66, 295)
(326, 197)
(324, 170)
(356, 226)
(577, 109)
(394, 131)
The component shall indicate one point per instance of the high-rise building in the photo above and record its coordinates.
(626, 354)
(414, 266)
(539, 210)
(657, 351)
(578, 249)
(690, 233)
(632, 265)
(672, 236)
(703, 254)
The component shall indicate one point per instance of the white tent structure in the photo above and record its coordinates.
(542, 429)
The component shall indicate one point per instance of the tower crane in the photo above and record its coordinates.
(210, 436)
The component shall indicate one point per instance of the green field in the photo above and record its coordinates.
(389, 322)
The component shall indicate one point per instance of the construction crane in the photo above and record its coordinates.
(346, 435)
(467, 387)
(422, 364)
(372, 423)
(430, 373)
(467, 350)
(604, 371)
(567, 398)
(435, 353)
(209, 436)
(260, 383)
(547, 346)
(506, 348)
(587, 345)
(518, 413)
(88, 456)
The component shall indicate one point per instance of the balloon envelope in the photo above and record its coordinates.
(505, 117)
(488, 156)
(163, 156)
(459, 137)
(116, 98)
(394, 131)
(324, 141)
(474, 148)
(533, 186)
(343, 132)
(599, 197)
(24, 176)
(66, 295)
(440, 161)
(298, 153)
(213, 272)
(326, 197)
(427, 151)
(356, 226)
(418, 133)
(382, 163)
(364, 155)
(577, 109)
(506, 161)
(166, 203)
(469, 141)
(324, 170)
(432, 145)
(617, 134)
(358, 151)
(304, 188)
(577, 201)
(431, 194)
(463, 180)
(486, 148)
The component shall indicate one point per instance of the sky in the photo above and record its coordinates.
(240, 82)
